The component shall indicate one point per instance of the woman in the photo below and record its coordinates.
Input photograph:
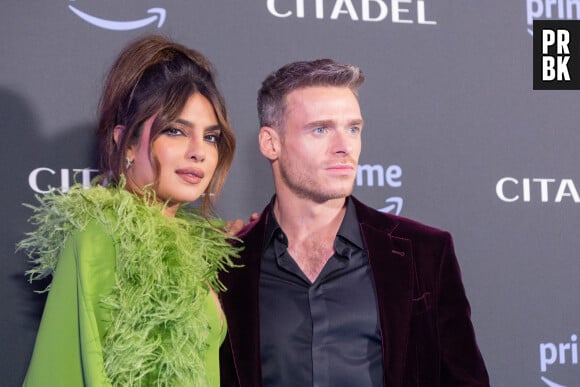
(133, 295)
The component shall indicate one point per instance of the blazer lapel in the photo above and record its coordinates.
(391, 263)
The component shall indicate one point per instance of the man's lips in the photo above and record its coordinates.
(190, 175)
(340, 167)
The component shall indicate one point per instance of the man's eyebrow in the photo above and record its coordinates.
(356, 121)
(314, 124)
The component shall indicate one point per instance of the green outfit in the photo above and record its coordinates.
(129, 302)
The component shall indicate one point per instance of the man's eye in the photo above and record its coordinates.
(354, 129)
(320, 130)
(213, 138)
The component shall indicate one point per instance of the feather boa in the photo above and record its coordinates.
(158, 331)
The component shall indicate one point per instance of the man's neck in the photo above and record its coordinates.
(300, 217)
(311, 229)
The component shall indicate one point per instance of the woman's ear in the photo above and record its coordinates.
(118, 132)
(269, 141)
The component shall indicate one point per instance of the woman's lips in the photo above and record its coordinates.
(190, 175)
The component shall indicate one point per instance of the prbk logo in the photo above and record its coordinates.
(536, 190)
(556, 54)
(398, 11)
(376, 175)
(157, 16)
(44, 180)
(551, 10)
(552, 354)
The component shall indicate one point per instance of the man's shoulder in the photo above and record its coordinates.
(394, 224)
(255, 226)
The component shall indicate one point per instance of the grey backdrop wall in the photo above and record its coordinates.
(455, 137)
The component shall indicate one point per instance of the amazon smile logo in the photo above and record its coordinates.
(551, 383)
(371, 175)
(157, 17)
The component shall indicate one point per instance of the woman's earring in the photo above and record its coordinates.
(128, 163)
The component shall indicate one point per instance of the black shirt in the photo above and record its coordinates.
(324, 333)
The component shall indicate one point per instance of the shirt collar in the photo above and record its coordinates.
(272, 227)
(350, 228)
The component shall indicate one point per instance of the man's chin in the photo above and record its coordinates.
(328, 196)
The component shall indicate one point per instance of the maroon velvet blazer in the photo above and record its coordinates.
(427, 334)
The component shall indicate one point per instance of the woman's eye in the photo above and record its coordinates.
(172, 132)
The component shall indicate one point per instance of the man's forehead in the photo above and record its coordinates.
(316, 104)
(306, 96)
(306, 91)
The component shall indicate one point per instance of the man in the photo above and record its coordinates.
(331, 292)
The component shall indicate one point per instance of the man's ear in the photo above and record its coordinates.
(269, 141)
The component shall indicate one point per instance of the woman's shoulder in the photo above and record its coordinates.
(66, 223)
(95, 237)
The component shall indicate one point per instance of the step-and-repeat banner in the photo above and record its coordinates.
(455, 136)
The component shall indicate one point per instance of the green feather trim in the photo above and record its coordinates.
(164, 267)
